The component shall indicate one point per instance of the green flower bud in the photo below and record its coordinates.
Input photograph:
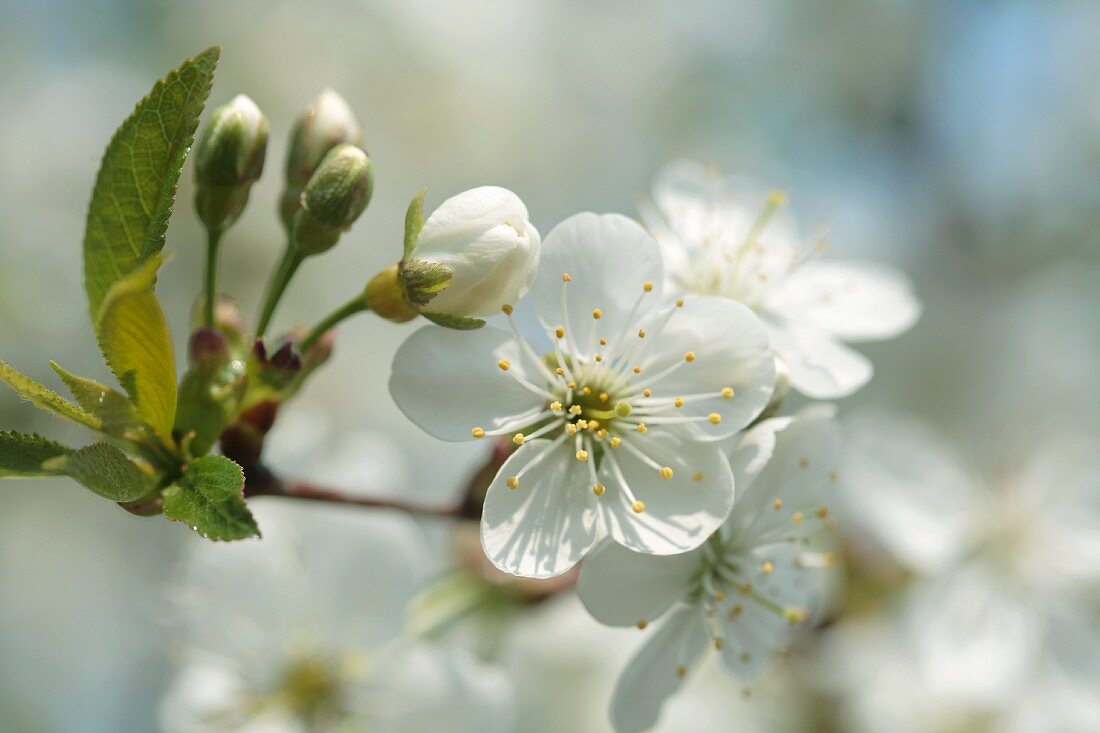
(229, 158)
(326, 123)
(335, 196)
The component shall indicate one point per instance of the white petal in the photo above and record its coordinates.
(977, 641)
(416, 688)
(821, 367)
(608, 258)
(681, 512)
(854, 301)
(653, 674)
(448, 382)
(620, 587)
(803, 463)
(902, 486)
(755, 635)
(547, 524)
(730, 346)
(490, 203)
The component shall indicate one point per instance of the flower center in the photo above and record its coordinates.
(596, 394)
(311, 689)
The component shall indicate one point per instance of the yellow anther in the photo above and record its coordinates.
(767, 567)
(641, 333)
(822, 512)
(762, 277)
(604, 397)
(804, 463)
(794, 615)
(727, 393)
(599, 358)
(647, 392)
(593, 424)
(601, 434)
(512, 482)
(555, 406)
(518, 439)
(678, 402)
(745, 589)
(697, 477)
(597, 313)
(638, 507)
(582, 424)
(603, 342)
(641, 624)
(778, 504)
(679, 302)
(586, 390)
(714, 418)
(598, 489)
(559, 371)
(746, 657)
(647, 286)
(719, 595)
(507, 309)
(797, 517)
(559, 332)
(834, 476)
(565, 277)
(615, 441)
(681, 672)
(478, 433)
(690, 356)
(574, 409)
(571, 428)
(735, 612)
(777, 197)
(719, 642)
(666, 472)
(504, 365)
(582, 455)
(642, 428)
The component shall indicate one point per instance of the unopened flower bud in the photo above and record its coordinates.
(475, 254)
(335, 196)
(229, 158)
(326, 123)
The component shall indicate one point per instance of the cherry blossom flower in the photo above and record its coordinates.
(616, 423)
(719, 238)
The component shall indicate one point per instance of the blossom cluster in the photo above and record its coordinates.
(646, 411)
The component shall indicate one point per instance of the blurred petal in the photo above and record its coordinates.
(820, 367)
(620, 587)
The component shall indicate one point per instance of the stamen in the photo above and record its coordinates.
(512, 482)
(478, 432)
(504, 365)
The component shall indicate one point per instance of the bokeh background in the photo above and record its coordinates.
(959, 140)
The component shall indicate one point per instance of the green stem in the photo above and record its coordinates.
(277, 285)
(213, 239)
(357, 304)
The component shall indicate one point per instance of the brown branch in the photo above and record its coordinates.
(290, 489)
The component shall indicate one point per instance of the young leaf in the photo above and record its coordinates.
(115, 411)
(105, 470)
(22, 455)
(210, 499)
(414, 220)
(136, 185)
(43, 398)
(134, 338)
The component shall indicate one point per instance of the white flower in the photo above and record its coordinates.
(744, 590)
(299, 632)
(1001, 564)
(492, 251)
(617, 423)
(722, 239)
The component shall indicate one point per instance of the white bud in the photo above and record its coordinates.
(484, 238)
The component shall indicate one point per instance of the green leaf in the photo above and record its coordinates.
(105, 470)
(414, 220)
(136, 185)
(45, 399)
(457, 322)
(22, 455)
(210, 499)
(135, 341)
(115, 411)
